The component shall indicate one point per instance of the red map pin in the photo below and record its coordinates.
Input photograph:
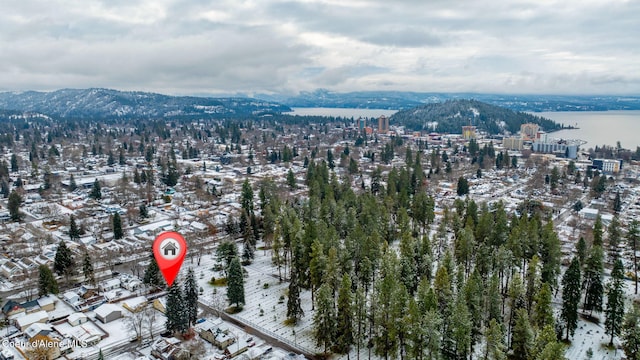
(169, 249)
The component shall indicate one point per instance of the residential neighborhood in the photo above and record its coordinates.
(82, 207)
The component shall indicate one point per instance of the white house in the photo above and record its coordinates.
(77, 318)
(72, 298)
(23, 322)
(37, 329)
(109, 285)
(108, 312)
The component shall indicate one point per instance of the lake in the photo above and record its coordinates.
(343, 112)
(595, 127)
(599, 127)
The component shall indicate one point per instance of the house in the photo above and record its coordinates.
(72, 298)
(37, 329)
(7, 354)
(9, 269)
(235, 349)
(109, 285)
(46, 303)
(108, 312)
(30, 306)
(77, 318)
(589, 213)
(135, 304)
(160, 304)
(215, 335)
(12, 307)
(131, 283)
(166, 348)
(23, 322)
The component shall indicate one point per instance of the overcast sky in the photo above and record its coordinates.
(227, 46)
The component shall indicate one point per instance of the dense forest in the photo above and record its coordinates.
(387, 277)
(451, 115)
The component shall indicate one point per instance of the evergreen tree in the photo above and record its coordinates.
(294, 307)
(324, 319)
(473, 297)
(463, 186)
(617, 203)
(581, 250)
(317, 266)
(137, 179)
(517, 300)
(495, 347)
(461, 328)
(615, 301)
(385, 338)
(225, 253)
(100, 356)
(248, 252)
(597, 232)
(631, 333)
(493, 300)
(74, 232)
(14, 163)
(63, 262)
(144, 212)
(571, 296)
(152, 274)
(593, 271)
(177, 317)
(13, 205)
(344, 330)
(543, 311)
(614, 238)
(550, 254)
(523, 336)
(246, 198)
(191, 297)
(235, 283)
(532, 281)
(96, 191)
(72, 183)
(87, 269)
(633, 237)
(117, 226)
(291, 179)
(47, 283)
(547, 347)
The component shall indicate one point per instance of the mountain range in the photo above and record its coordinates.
(398, 100)
(108, 104)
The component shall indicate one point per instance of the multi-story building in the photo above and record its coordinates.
(608, 166)
(562, 147)
(468, 132)
(383, 124)
(512, 143)
(529, 131)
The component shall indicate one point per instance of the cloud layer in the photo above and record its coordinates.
(225, 46)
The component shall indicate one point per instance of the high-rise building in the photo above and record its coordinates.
(361, 123)
(383, 124)
(512, 143)
(468, 132)
(529, 131)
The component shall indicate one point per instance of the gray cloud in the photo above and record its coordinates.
(204, 46)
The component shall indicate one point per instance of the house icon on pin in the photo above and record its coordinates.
(169, 247)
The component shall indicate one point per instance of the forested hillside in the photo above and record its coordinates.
(450, 116)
